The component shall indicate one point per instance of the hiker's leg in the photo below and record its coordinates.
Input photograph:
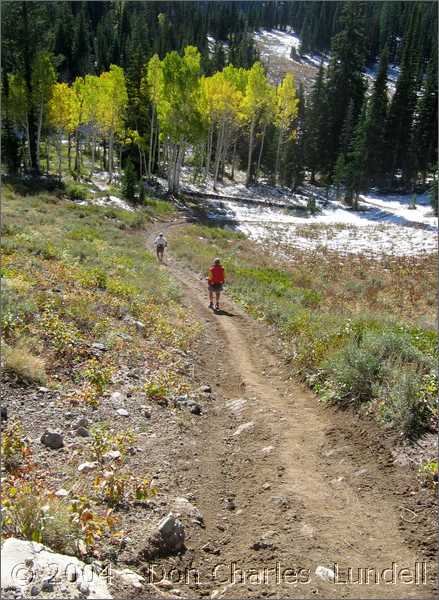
(210, 295)
(217, 295)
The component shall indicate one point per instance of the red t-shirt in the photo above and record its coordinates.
(216, 274)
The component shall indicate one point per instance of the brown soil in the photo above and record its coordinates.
(310, 486)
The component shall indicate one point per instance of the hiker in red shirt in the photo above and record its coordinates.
(215, 282)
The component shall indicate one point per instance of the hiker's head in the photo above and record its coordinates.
(217, 261)
(160, 234)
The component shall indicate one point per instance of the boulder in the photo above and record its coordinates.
(44, 570)
(52, 440)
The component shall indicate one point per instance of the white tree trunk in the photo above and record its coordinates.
(276, 169)
(250, 152)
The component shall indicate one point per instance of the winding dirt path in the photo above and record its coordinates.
(286, 485)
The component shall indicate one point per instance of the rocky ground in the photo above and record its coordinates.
(268, 490)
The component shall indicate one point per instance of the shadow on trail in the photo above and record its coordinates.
(222, 312)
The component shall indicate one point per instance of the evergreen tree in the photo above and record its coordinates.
(400, 121)
(81, 47)
(356, 161)
(375, 143)
(129, 181)
(345, 79)
(424, 143)
(315, 126)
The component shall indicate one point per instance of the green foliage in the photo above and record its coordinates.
(129, 181)
(76, 191)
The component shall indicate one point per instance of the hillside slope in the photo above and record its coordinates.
(164, 400)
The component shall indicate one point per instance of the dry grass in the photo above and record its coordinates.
(25, 365)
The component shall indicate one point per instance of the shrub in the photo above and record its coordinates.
(14, 446)
(20, 361)
(30, 514)
(403, 406)
(76, 191)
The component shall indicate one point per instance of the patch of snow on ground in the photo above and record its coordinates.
(276, 42)
(399, 205)
(113, 201)
(384, 225)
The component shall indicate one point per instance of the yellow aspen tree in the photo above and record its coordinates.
(286, 109)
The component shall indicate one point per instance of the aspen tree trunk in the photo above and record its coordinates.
(218, 152)
(250, 152)
(233, 160)
(77, 167)
(276, 169)
(261, 149)
(47, 154)
(151, 137)
(69, 151)
(39, 128)
(209, 149)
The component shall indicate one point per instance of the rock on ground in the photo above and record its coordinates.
(26, 565)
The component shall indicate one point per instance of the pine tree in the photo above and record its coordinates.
(81, 46)
(345, 79)
(400, 121)
(375, 143)
(129, 181)
(424, 142)
(356, 161)
(316, 127)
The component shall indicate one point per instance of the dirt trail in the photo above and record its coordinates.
(307, 486)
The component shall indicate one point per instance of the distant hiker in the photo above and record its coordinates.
(160, 245)
(215, 282)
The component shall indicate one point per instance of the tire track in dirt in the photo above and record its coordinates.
(305, 490)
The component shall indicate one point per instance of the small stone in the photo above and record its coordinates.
(266, 486)
(82, 422)
(82, 432)
(68, 415)
(87, 467)
(4, 413)
(35, 590)
(206, 389)
(99, 346)
(139, 326)
(122, 412)
(112, 455)
(61, 493)
(244, 427)
(52, 440)
(44, 390)
(182, 398)
(195, 408)
(210, 549)
(267, 450)
(117, 398)
(229, 504)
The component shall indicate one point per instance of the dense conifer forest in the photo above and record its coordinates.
(155, 84)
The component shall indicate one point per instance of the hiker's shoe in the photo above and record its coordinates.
(211, 305)
(216, 306)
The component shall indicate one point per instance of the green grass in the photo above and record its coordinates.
(338, 318)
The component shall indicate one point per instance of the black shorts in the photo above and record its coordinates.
(215, 287)
(160, 248)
